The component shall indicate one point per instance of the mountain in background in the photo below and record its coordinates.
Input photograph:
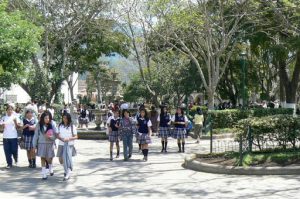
(124, 66)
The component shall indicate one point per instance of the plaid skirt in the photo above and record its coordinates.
(179, 133)
(143, 138)
(164, 132)
(28, 142)
(114, 136)
(45, 150)
(60, 150)
(83, 120)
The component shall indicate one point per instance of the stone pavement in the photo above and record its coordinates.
(161, 177)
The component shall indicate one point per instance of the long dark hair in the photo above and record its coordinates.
(69, 118)
(182, 111)
(42, 121)
(162, 112)
(146, 114)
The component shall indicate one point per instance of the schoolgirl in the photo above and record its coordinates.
(29, 123)
(67, 133)
(164, 120)
(43, 141)
(180, 122)
(114, 136)
(144, 132)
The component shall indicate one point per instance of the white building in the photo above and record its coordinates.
(17, 94)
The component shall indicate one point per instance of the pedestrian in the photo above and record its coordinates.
(153, 118)
(144, 132)
(180, 122)
(44, 141)
(114, 136)
(127, 129)
(164, 120)
(67, 133)
(137, 116)
(10, 136)
(198, 121)
(84, 116)
(28, 132)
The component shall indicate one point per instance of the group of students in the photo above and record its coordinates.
(124, 128)
(39, 134)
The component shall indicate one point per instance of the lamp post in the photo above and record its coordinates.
(244, 80)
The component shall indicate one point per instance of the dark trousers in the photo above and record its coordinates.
(10, 146)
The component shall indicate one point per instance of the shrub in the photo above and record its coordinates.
(277, 130)
(230, 117)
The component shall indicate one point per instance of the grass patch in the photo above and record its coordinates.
(223, 131)
(261, 158)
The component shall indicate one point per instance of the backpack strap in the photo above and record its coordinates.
(72, 130)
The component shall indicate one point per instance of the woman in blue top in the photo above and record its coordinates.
(180, 122)
(164, 120)
(28, 133)
(144, 132)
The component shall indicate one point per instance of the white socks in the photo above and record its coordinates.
(50, 168)
(44, 172)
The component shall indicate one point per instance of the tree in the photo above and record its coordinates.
(18, 41)
(206, 31)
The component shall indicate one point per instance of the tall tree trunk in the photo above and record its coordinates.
(290, 85)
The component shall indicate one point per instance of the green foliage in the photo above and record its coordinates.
(18, 41)
(230, 117)
(277, 130)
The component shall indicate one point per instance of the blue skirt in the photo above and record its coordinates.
(28, 142)
(143, 138)
(179, 133)
(164, 132)
(114, 136)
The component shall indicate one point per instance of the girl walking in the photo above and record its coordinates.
(164, 120)
(114, 136)
(67, 133)
(10, 136)
(180, 122)
(128, 129)
(43, 140)
(198, 120)
(28, 133)
(144, 132)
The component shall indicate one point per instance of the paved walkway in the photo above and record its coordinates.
(161, 177)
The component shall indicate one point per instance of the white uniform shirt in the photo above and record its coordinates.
(10, 130)
(66, 132)
(185, 118)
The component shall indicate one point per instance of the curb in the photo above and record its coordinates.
(191, 163)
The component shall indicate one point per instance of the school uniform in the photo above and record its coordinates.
(143, 130)
(180, 129)
(114, 134)
(66, 132)
(164, 125)
(84, 119)
(44, 145)
(28, 134)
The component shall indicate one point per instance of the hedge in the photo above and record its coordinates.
(230, 117)
(276, 130)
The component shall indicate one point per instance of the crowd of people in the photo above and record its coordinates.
(36, 132)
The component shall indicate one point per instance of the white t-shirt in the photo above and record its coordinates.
(10, 130)
(51, 110)
(66, 132)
